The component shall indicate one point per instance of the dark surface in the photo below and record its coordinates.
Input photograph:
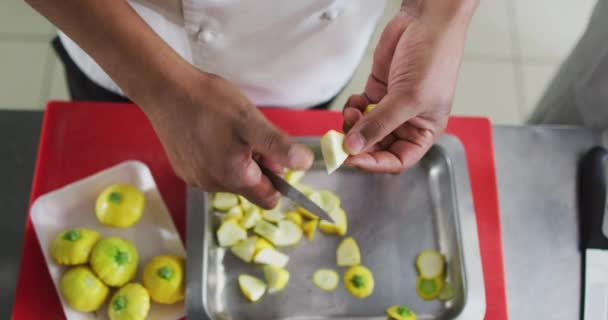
(19, 133)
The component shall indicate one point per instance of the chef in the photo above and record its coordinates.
(198, 68)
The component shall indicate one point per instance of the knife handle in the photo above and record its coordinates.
(592, 198)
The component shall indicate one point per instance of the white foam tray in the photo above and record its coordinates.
(74, 206)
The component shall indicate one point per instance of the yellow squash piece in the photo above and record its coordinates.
(267, 230)
(309, 228)
(276, 278)
(275, 215)
(271, 257)
(252, 288)
(235, 213)
(339, 217)
(82, 290)
(164, 278)
(229, 233)
(333, 151)
(294, 216)
(328, 227)
(114, 260)
(244, 203)
(307, 214)
(73, 246)
(359, 281)
(430, 264)
(369, 109)
(304, 188)
(294, 176)
(348, 253)
(326, 279)
(289, 233)
(120, 206)
(131, 302)
(245, 249)
(223, 201)
(260, 244)
(251, 217)
(429, 289)
(400, 313)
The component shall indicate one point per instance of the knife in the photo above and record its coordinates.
(594, 232)
(293, 194)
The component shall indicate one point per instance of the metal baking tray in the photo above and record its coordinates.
(392, 217)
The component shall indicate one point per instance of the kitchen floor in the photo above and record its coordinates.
(514, 48)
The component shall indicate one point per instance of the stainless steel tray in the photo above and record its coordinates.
(392, 217)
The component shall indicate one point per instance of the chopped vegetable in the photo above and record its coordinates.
(274, 215)
(120, 206)
(253, 288)
(73, 246)
(333, 151)
(251, 217)
(131, 302)
(359, 281)
(164, 278)
(447, 293)
(271, 257)
(429, 289)
(328, 201)
(235, 213)
(276, 278)
(267, 230)
(230, 233)
(430, 264)
(82, 290)
(339, 217)
(400, 313)
(260, 244)
(348, 253)
(309, 228)
(307, 214)
(223, 201)
(289, 233)
(294, 176)
(369, 108)
(244, 203)
(114, 260)
(326, 279)
(304, 188)
(245, 249)
(328, 227)
(294, 216)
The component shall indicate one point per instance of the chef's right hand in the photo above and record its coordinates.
(212, 134)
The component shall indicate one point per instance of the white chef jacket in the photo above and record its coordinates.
(291, 53)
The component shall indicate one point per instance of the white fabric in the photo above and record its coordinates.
(295, 53)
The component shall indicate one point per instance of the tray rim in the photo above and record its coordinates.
(474, 306)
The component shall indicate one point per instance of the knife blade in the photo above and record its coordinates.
(294, 194)
(594, 232)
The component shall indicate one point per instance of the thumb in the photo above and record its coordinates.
(391, 112)
(276, 146)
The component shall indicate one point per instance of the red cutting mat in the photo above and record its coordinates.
(79, 139)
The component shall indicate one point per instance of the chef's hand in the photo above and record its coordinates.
(413, 78)
(212, 133)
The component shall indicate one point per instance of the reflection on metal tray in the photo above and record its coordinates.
(392, 217)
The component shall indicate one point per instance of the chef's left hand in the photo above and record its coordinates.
(413, 79)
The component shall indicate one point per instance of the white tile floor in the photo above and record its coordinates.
(513, 49)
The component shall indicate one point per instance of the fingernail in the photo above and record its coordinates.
(299, 157)
(354, 143)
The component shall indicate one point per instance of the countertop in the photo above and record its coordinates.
(536, 171)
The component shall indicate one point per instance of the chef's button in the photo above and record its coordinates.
(206, 35)
(193, 28)
(330, 15)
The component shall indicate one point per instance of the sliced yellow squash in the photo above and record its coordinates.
(348, 253)
(229, 233)
(309, 228)
(326, 279)
(276, 278)
(333, 151)
(223, 201)
(253, 288)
